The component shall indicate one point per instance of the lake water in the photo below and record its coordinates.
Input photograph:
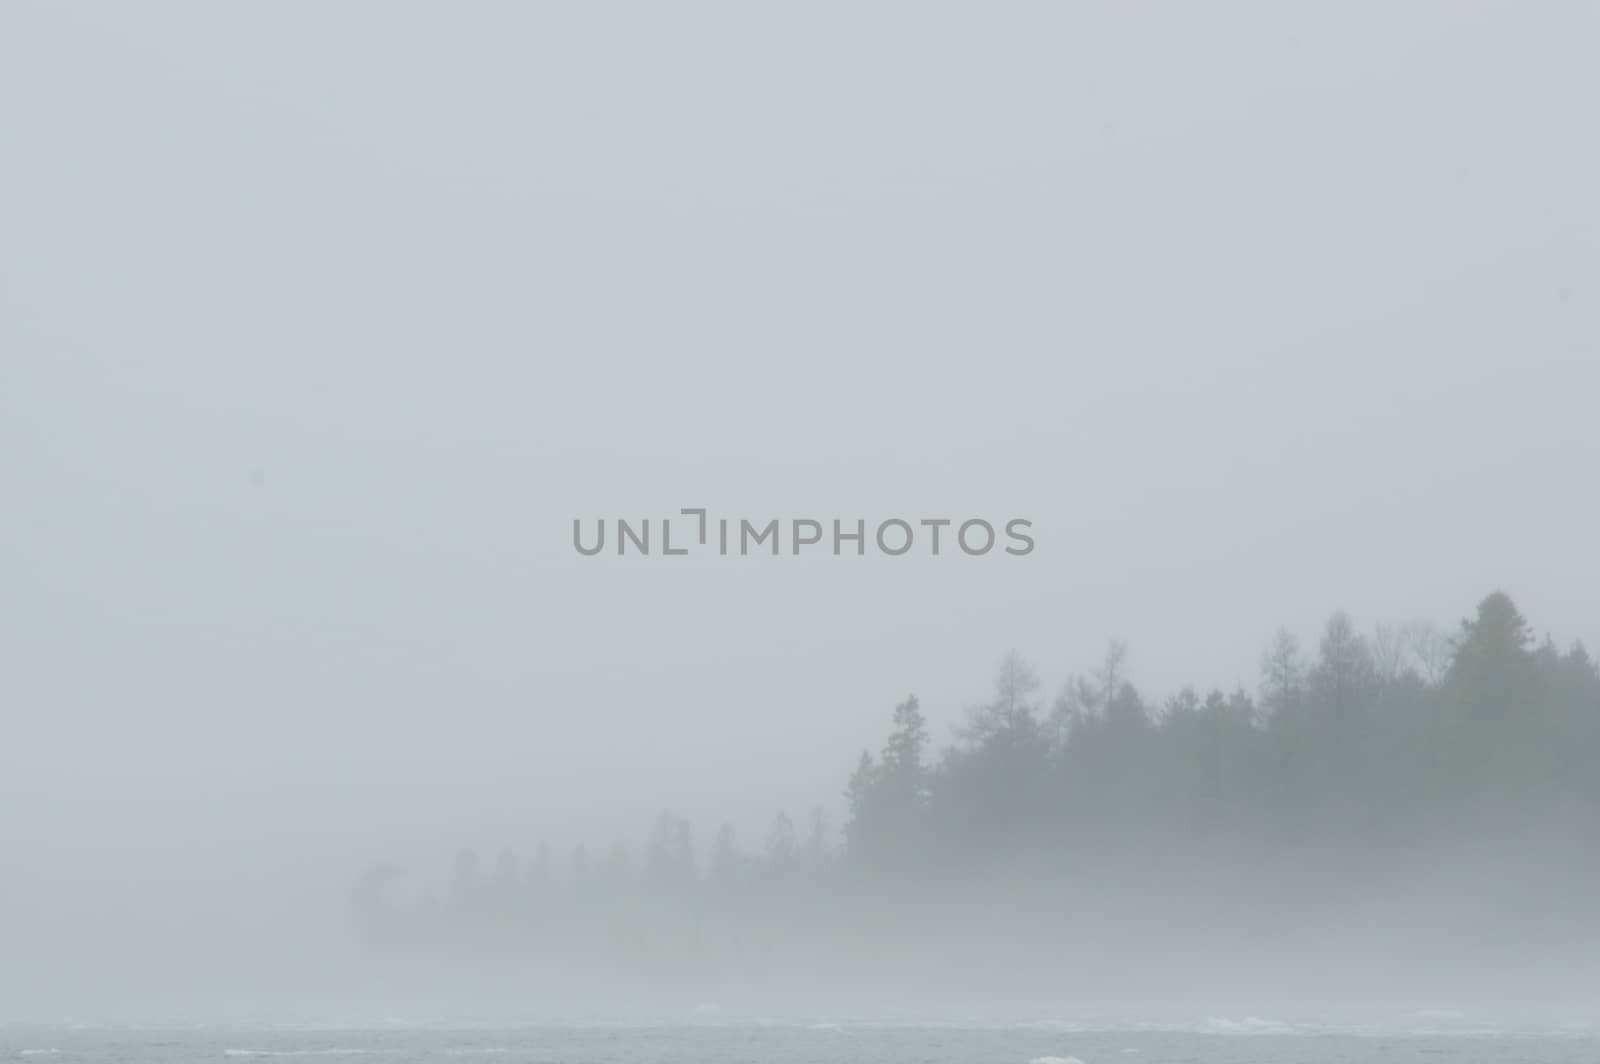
(1209, 1042)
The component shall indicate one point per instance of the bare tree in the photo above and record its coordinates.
(1431, 647)
(1391, 653)
(1283, 674)
(1014, 685)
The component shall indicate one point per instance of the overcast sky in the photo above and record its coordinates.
(319, 324)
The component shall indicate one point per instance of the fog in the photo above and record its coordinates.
(321, 325)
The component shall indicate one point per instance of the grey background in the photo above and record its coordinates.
(320, 322)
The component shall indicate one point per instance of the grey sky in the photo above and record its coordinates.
(320, 323)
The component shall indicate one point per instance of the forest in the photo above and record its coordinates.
(1405, 789)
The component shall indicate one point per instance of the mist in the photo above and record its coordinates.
(320, 326)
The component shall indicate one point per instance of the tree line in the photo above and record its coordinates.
(1374, 748)
(1388, 739)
